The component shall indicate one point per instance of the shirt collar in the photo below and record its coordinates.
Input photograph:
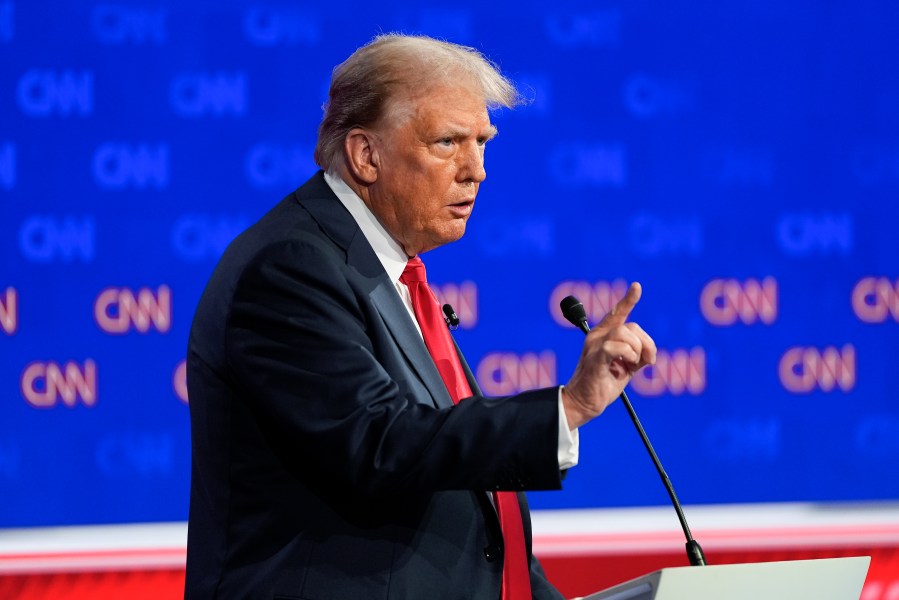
(388, 251)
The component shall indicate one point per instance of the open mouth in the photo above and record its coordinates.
(462, 208)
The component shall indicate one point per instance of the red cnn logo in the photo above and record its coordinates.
(118, 310)
(726, 301)
(45, 384)
(463, 298)
(598, 298)
(679, 371)
(504, 373)
(9, 311)
(804, 369)
(179, 381)
(875, 299)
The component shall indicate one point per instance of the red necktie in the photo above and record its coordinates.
(516, 576)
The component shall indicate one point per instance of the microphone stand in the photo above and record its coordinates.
(574, 312)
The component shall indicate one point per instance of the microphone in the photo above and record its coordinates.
(452, 321)
(574, 312)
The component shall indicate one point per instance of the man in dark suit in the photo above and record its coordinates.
(330, 458)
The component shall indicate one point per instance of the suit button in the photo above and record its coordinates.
(492, 553)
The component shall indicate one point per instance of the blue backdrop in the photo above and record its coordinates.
(740, 159)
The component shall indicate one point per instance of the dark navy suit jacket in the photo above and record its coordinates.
(328, 460)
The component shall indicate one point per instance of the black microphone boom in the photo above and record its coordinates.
(574, 312)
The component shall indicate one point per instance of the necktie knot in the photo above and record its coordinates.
(414, 272)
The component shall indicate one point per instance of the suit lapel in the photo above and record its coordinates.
(397, 319)
(472, 382)
(337, 223)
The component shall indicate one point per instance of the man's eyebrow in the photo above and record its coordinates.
(460, 132)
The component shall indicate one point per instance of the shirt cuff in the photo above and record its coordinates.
(569, 442)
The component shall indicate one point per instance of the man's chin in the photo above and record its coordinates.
(442, 238)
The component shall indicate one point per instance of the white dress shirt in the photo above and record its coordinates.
(393, 258)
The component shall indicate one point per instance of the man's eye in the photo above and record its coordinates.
(446, 141)
(482, 141)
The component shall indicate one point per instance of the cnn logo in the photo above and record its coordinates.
(806, 369)
(678, 371)
(49, 384)
(504, 373)
(9, 311)
(179, 381)
(120, 310)
(876, 299)
(726, 301)
(598, 298)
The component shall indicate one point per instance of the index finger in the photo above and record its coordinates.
(622, 310)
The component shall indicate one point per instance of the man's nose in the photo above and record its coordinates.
(471, 166)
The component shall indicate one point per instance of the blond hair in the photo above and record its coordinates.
(372, 84)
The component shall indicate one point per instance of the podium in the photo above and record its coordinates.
(821, 579)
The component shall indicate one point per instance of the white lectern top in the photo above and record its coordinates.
(823, 579)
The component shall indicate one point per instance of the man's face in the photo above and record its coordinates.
(430, 164)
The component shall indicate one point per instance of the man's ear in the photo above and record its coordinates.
(361, 155)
